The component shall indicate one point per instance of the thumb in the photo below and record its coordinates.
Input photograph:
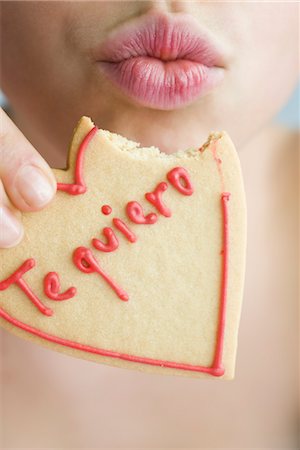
(26, 177)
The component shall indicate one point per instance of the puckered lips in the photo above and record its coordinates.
(161, 61)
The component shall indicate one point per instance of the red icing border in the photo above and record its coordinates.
(216, 369)
(79, 187)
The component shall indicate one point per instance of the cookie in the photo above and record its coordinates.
(139, 260)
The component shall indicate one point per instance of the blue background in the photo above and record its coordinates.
(290, 114)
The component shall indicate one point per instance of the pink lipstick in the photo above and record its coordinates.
(161, 61)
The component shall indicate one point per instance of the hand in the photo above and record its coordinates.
(26, 181)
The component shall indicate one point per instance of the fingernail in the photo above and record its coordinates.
(34, 186)
(11, 230)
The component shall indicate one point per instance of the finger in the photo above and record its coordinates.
(27, 178)
(11, 228)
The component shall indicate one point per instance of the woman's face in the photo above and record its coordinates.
(51, 77)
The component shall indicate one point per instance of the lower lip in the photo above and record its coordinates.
(161, 84)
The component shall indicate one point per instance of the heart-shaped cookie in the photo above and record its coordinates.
(139, 260)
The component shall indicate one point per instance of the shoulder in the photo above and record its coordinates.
(284, 139)
(284, 143)
(284, 146)
(276, 139)
(279, 147)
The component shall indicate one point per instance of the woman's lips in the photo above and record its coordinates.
(161, 61)
(162, 85)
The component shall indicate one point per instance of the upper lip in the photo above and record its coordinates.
(164, 36)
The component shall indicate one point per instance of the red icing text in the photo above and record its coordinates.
(155, 198)
(83, 257)
(51, 287)
(86, 262)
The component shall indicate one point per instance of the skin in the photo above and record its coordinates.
(47, 96)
